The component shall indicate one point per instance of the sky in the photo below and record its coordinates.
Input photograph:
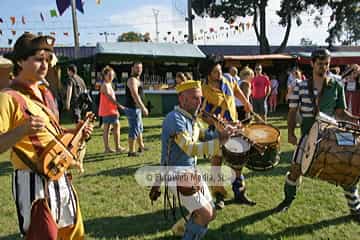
(114, 17)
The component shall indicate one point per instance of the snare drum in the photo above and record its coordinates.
(332, 154)
(236, 152)
(267, 137)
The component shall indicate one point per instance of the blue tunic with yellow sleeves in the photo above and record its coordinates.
(183, 139)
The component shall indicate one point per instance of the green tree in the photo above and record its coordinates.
(230, 9)
(131, 37)
(343, 14)
(344, 19)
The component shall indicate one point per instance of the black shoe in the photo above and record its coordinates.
(219, 201)
(133, 154)
(282, 207)
(144, 149)
(355, 215)
(243, 199)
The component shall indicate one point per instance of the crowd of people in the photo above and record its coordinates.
(30, 128)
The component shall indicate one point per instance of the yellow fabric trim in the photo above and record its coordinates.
(77, 231)
(11, 116)
(196, 148)
(217, 98)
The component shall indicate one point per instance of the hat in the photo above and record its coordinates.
(28, 43)
(320, 53)
(190, 84)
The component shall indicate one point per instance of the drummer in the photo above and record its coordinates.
(219, 99)
(320, 93)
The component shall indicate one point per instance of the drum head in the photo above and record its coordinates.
(237, 145)
(262, 133)
(310, 148)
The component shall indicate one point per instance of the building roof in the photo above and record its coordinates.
(239, 50)
(260, 57)
(152, 50)
(68, 52)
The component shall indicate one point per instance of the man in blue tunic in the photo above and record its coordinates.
(183, 140)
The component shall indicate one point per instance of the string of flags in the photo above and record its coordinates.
(230, 28)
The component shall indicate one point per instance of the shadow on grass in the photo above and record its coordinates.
(226, 229)
(117, 172)
(5, 168)
(97, 157)
(126, 227)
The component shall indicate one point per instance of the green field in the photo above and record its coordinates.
(115, 207)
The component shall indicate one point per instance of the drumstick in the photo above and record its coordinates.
(258, 147)
(257, 116)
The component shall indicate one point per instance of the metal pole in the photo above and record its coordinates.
(156, 15)
(190, 24)
(75, 28)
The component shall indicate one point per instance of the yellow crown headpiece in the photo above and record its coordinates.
(189, 84)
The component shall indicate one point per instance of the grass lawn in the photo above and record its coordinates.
(115, 207)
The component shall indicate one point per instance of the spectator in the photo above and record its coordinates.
(261, 88)
(108, 110)
(75, 87)
(274, 93)
(246, 75)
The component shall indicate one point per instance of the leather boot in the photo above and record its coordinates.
(290, 194)
(239, 189)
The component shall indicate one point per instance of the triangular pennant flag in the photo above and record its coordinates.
(9, 41)
(66, 34)
(62, 5)
(52, 33)
(13, 32)
(23, 20)
(13, 20)
(98, 1)
(53, 13)
(42, 17)
(40, 33)
(0, 32)
(1, 20)
(80, 6)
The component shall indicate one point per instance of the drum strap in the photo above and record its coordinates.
(315, 100)
(166, 192)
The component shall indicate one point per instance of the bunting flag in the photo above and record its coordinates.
(10, 41)
(62, 5)
(1, 20)
(13, 20)
(0, 32)
(53, 33)
(98, 2)
(13, 32)
(53, 13)
(23, 20)
(39, 33)
(42, 17)
(66, 34)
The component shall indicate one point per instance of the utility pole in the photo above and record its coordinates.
(75, 28)
(190, 19)
(156, 15)
(106, 34)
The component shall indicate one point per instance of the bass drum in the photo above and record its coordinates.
(332, 154)
(268, 137)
